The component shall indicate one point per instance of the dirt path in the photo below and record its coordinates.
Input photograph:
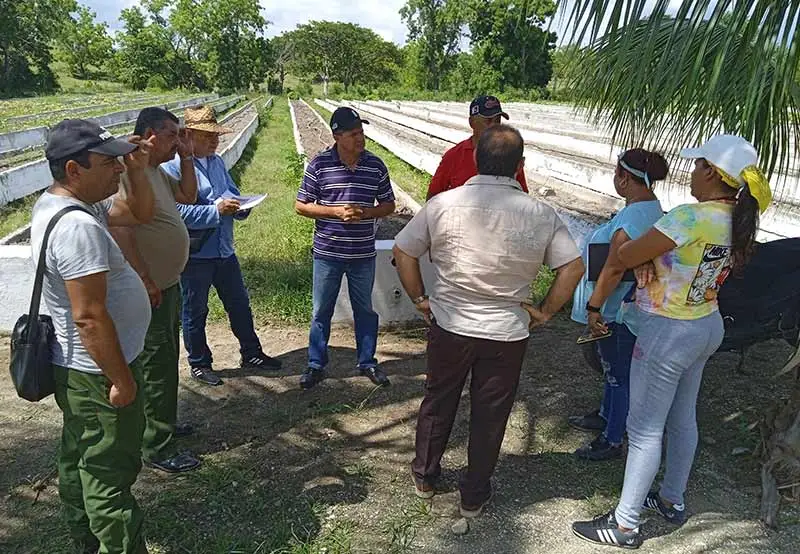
(280, 463)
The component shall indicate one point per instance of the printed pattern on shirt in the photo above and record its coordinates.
(328, 182)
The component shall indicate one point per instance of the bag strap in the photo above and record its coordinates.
(33, 312)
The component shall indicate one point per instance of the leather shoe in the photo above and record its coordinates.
(311, 377)
(375, 375)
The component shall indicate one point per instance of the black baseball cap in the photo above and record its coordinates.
(76, 135)
(486, 106)
(345, 119)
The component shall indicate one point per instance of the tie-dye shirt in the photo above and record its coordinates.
(689, 276)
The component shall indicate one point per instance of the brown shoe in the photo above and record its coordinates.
(422, 489)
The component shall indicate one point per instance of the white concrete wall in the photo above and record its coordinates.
(36, 136)
(16, 265)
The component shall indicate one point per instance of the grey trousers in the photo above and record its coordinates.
(666, 372)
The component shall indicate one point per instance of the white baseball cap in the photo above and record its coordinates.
(729, 153)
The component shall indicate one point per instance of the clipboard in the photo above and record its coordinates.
(598, 254)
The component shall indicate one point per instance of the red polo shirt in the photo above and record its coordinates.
(457, 167)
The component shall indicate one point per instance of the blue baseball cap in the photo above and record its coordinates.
(486, 106)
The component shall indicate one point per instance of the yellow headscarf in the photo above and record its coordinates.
(754, 179)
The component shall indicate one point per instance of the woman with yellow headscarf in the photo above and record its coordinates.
(690, 251)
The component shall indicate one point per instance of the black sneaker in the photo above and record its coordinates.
(375, 375)
(592, 421)
(599, 449)
(206, 375)
(675, 515)
(605, 530)
(177, 464)
(261, 361)
(311, 377)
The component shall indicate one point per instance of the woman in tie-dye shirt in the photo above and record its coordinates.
(686, 255)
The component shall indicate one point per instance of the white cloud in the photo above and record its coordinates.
(381, 16)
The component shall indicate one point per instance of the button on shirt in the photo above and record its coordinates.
(329, 182)
(457, 167)
(487, 241)
(213, 182)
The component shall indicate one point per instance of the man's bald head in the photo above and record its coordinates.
(499, 151)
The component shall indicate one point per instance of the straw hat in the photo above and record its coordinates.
(204, 118)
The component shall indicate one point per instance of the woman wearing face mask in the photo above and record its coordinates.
(678, 327)
(598, 304)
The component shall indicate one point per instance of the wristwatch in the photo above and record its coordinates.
(189, 157)
(590, 308)
(419, 299)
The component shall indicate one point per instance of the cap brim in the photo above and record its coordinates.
(114, 147)
(503, 114)
(344, 129)
(692, 153)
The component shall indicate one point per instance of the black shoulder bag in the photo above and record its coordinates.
(31, 364)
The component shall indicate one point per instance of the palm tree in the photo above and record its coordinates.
(674, 72)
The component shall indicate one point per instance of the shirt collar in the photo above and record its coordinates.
(337, 159)
(494, 180)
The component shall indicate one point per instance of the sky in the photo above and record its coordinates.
(382, 16)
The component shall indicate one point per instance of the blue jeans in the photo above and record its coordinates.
(615, 356)
(327, 282)
(225, 275)
(666, 373)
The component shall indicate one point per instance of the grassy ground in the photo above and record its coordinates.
(326, 471)
(274, 243)
(16, 214)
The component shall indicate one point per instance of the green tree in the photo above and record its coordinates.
(346, 52)
(507, 36)
(26, 29)
(83, 42)
(437, 26)
(144, 51)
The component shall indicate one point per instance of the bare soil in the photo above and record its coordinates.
(342, 451)
(314, 136)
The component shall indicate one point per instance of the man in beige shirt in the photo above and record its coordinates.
(487, 241)
(158, 252)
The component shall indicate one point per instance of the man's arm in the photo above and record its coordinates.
(126, 239)
(381, 210)
(318, 211)
(567, 278)
(87, 296)
(187, 188)
(408, 270)
(186, 193)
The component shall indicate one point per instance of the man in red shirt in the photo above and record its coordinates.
(458, 163)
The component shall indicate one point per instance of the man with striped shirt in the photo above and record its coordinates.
(345, 189)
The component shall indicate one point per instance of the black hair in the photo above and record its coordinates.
(58, 168)
(745, 226)
(651, 163)
(499, 151)
(153, 118)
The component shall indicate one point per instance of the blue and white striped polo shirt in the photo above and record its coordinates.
(329, 182)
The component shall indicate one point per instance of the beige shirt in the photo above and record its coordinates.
(487, 241)
(164, 242)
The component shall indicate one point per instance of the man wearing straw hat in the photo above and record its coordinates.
(158, 252)
(212, 259)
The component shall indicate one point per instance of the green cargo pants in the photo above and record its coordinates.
(158, 364)
(98, 463)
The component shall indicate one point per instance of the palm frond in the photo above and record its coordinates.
(660, 80)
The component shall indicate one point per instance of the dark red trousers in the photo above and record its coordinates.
(495, 368)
